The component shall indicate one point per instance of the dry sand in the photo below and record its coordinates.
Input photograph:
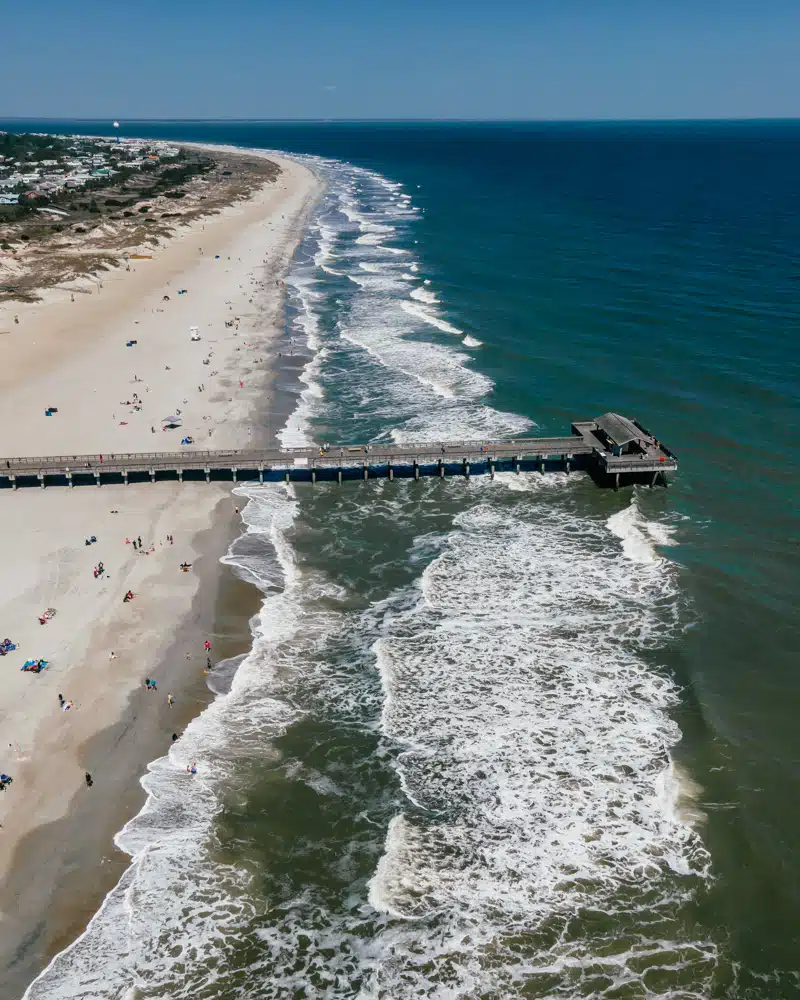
(72, 355)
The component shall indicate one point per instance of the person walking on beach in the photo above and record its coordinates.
(140, 541)
(61, 701)
(89, 780)
(147, 683)
(170, 700)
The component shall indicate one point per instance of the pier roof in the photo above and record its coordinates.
(620, 429)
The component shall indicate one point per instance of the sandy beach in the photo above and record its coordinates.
(222, 275)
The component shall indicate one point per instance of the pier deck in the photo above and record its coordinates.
(613, 449)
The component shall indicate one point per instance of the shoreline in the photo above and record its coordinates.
(69, 886)
(58, 860)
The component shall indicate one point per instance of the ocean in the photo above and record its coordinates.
(511, 738)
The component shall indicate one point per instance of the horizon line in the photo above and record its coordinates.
(337, 121)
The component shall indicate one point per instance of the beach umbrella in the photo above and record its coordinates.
(171, 420)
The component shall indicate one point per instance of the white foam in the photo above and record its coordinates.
(370, 239)
(639, 537)
(534, 746)
(471, 341)
(463, 421)
(420, 312)
(423, 295)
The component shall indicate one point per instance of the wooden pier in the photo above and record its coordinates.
(613, 449)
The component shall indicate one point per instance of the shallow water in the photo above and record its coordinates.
(521, 737)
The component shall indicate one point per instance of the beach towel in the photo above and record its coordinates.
(34, 666)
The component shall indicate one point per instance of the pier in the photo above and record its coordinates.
(613, 449)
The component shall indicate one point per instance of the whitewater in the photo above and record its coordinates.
(496, 811)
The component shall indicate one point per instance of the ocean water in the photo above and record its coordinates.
(520, 738)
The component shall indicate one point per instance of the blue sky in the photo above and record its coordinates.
(539, 59)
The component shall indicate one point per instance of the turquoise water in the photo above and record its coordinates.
(522, 738)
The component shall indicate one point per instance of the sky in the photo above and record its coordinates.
(479, 59)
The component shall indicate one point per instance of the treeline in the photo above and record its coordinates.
(40, 147)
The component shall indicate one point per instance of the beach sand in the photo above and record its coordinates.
(57, 858)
